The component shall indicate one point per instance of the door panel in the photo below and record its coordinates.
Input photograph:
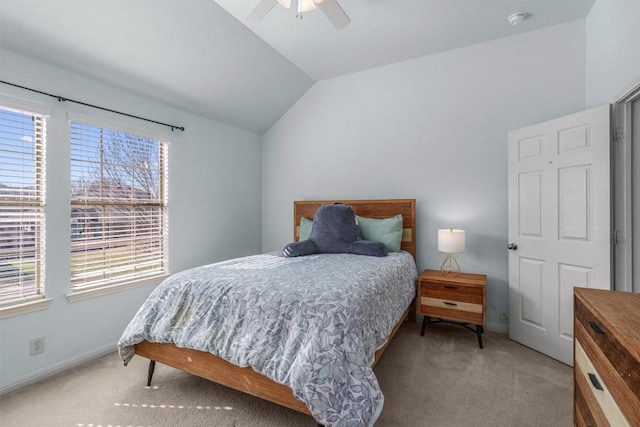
(570, 276)
(530, 148)
(575, 139)
(530, 209)
(559, 217)
(531, 281)
(573, 202)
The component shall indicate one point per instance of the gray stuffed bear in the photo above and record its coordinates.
(335, 230)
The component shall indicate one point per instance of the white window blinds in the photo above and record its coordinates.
(22, 195)
(118, 207)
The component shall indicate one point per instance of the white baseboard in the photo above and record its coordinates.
(497, 327)
(56, 368)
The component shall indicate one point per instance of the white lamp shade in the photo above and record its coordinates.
(451, 240)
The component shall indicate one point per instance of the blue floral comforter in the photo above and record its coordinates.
(312, 323)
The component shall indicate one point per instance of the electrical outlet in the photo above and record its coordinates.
(36, 346)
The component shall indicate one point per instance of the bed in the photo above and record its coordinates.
(301, 383)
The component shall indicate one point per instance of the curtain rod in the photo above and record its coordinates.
(61, 99)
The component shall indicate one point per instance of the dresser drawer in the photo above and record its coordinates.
(587, 413)
(606, 358)
(620, 360)
(594, 387)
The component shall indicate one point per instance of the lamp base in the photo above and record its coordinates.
(449, 266)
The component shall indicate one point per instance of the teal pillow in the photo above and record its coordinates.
(305, 229)
(387, 231)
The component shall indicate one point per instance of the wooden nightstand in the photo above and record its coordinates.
(461, 299)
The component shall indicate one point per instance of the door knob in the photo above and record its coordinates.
(512, 246)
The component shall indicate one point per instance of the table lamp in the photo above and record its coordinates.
(450, 241)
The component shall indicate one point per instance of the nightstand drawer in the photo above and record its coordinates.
(456, 310)
(450, 291)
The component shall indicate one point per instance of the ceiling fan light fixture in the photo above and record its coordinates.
(306, 6)
(516, 18)
(330, 8)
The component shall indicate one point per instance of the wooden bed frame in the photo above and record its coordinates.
(215, 369)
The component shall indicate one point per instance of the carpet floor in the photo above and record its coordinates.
(441, 379)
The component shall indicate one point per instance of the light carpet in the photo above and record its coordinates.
(441, 379)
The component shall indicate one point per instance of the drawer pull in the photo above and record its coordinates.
(596, 327)
(450, 287)
(595, 382)
(449, 303)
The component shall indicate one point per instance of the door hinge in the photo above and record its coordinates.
(617, 237)
(617, 135)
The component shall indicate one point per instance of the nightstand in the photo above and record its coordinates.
(461, 299)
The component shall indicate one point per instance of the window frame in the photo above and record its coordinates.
(39, 301)
(78, 293)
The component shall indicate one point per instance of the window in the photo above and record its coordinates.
(118, 207)
(22, 191)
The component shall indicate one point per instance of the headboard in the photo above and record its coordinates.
(384, 208)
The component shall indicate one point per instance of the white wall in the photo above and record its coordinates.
(613, 49)
(433, 128)
(214, 214)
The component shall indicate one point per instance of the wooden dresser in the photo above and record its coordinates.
(606, 358)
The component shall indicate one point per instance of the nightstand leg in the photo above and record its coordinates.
(479, 330)
(425, 320)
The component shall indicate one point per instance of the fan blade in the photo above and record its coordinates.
(261, 10)
(334, 12)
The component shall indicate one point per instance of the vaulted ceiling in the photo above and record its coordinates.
(205, 57)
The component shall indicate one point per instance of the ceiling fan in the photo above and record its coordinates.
(331, 9)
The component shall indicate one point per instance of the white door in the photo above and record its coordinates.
(559, 219)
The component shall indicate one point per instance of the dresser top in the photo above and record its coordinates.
(620, 311)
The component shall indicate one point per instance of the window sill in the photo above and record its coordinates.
(105, 290)
(25, 307)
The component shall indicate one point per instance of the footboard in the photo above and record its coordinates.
(215, 369)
